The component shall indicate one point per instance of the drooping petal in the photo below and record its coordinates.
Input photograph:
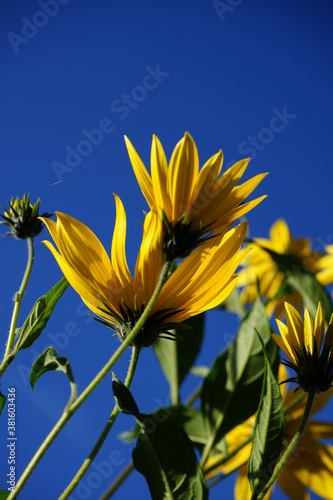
(88, 289)
(141, 174)
(118, 254)
(82, 250)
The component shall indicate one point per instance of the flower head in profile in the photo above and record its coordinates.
(311, 466)
(200, 282)
(309, 349)
(193, 203)
(22, 218)
(260, 266)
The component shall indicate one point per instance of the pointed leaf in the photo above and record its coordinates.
(123, 397)
(165, 456)
(4, 494)
(177, 357)
(231, 391)
(39, 315)
(268, 433)
(49, 361)
(304, 282)
(188, 418)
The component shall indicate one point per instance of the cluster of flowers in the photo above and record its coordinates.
(190, 221)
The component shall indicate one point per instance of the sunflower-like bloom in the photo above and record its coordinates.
(192, 203)
(325, 267)
(259, 265)
(310, 467)
(309, 350)
(202, 281)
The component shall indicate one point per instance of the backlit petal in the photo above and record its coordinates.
(183, 173)
(159, 176)
(141, 174)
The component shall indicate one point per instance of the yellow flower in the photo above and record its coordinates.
(193, 204)
(202, 281)
(311, 466)
(308, 348)
(259, 265)
(325, 267)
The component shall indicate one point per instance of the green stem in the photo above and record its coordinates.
(210, 443)
(290, 448)
(227, 456)
(130, 466)
(17, 304)
(117, 482)
(72, 407)
(115, 412)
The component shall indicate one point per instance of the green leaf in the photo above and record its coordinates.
(165, 456)
(268, 433)
(233, 304)
(304, 282)
(4, 494)
(231, 391)
(49, 361)
(123, 397)
(39, 315)
(177, 357)
(188, 418)
(2, 402)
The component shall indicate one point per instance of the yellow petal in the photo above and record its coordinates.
(329, 334)
(118, 255)
(82, 250)
(280, 235)
(52, 228)
(319, 327)
(206, 183)
(149, 262)
(159, 176)
(141, 174)
(242, 486)
(320, 430)
(295, 326)
(87, 288)
(308, 331)
(284, 346)
(183, 173)
(293, 488)
(231, 176)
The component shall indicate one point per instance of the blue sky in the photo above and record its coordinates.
(253, 78)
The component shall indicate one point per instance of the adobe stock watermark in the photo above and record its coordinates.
(257, 143)
(121, 108)
(222, 8)
(99, 472)
(30, 27)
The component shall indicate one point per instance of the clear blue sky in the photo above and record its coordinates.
(253, 78)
